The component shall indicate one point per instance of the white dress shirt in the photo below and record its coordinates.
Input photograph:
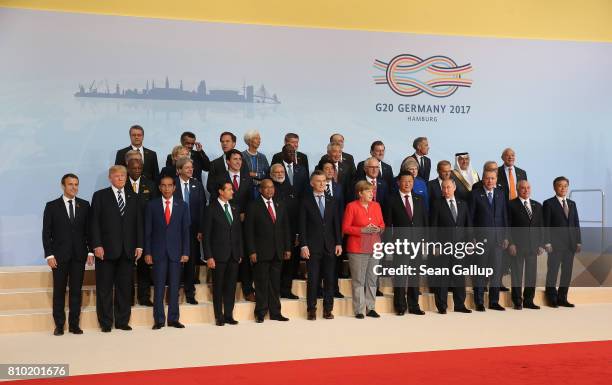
(115, 189)
(229, 207)
(141, 150)
(135, 185)
(231, 174)
(171, 200)
(409, 200)
(182, 186)
(271, 204)
(507, 170)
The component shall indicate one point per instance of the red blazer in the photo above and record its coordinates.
(355, 217)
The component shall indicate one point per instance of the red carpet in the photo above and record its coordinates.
(569, 363)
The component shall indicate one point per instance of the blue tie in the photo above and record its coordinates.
(321, 206)
(490, 197)
(186, 194)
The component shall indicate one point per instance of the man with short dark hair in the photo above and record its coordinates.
(421, 149)
(218, 167)
(196, 154)
(65, 241)
(149, 157)
(300, 158)
(377, 150)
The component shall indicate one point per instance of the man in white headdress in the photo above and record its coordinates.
(464, 175)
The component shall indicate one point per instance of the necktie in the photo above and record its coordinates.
(374, 190)
(408, 207)
(490, 198)
(453, 209)
(71, 209)
(328, 190)
(134, 187)
(121, 203)
(227, 213)
(167, 212)
(186, 193)
(528, 209)
(511, 183)
(565, 209)
(235, 183)
(321, 206)
(271, 212)
(290, 173)
(421, 162)
(336, 172)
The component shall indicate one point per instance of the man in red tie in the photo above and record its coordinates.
(268, 243)
(166, 247)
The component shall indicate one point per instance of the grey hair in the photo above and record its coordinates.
(250, 134)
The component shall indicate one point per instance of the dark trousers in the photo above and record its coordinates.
(189, 268)
(491, 258)
(406, 287)
(267, 285)
(527, 262)
(289, 270)
(224, 277)
(559, 260)
(246, 276)
(144, 279)
(68, 273)
(114, 274)
(443, 282)
(321, 265)
(164, 268)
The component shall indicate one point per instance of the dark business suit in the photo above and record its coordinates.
(287, 193)
(302, 160)
(345, 171)
(528, 234)
(196, 204)
(491, 222)
(564, 237)
(444, 228)
(401, 225)
(223, 242)
(200, 163)
(502, 179)
(425, 170)
(150, 169)
(120, 236)
(166, 243)
(218, 168)
(321, 234)
(434, 191)
(67, 241)
(147, 190)
(269, 239)
(387, 173)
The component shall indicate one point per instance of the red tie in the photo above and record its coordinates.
(408, 207)
(235, 182)
(167, 212)
(271, 212)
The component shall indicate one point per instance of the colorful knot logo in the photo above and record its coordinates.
(401, 70)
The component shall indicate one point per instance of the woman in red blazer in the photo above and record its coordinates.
(363, 223)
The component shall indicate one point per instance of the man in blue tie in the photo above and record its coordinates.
(166, 246)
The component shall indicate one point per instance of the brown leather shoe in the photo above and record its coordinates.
(328, 315)
(250, 297)
(312, 315)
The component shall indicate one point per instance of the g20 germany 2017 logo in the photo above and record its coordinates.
(402, 75)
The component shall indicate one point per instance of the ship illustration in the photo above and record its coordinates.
(246, 95)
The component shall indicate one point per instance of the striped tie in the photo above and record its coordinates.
(121, 202)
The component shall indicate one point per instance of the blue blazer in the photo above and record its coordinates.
(492, 217)
(166, 241)
(197, 200)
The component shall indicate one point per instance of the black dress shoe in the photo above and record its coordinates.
(290, 296)
(400, 312)
(231, 321)
(328, 315)
(416, 311)
(565, 304)
(442, 311)
(379, 293)
(176, 324)
(191, 301)
(518, 307)
(462, 310)
(58, 331)
(75, 330)
(312, 315)
(359, 316)
(372, 313)
(279, 317)
(531, 305)
(219, 322)
(480, 307)
(146, 303)
(124, 327)
(250, 297)
(259, 319)
(158, 326)
(496, 306)
(105, 329)
(338, 295)
(503, 288)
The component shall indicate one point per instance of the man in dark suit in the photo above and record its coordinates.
(166, 246)
(190, 191)
(434, 191)
(223, 251)
(149, 157)
(508, 175)
(320, 244)
(268, 243)
(344, 168)
(64, 237)
(377, 150)
(296, 174)
(242, 184)
(406, 218)
(528, 238)
(117, 239)
(489, 165)
(219, 166)
(346, 157)
(145, 190)
(489, 215)
(198, 156)
(450, 222)
(564, 241)
(421, 149)
(372, 176)
(300, 158)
